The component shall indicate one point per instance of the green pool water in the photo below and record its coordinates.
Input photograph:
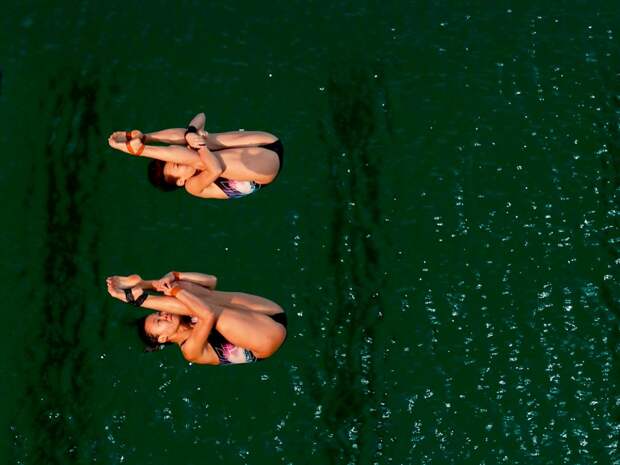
(444, 234)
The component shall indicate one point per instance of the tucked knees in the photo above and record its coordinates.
(272, 342)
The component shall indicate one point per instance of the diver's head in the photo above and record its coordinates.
(157, 329)
(169, 176)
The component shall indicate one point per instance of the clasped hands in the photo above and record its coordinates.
(196, 140)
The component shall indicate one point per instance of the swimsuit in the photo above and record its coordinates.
(235, 189)
(228, 353)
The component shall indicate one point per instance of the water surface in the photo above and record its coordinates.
(444, 234)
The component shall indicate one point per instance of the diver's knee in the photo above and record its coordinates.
(272, 343)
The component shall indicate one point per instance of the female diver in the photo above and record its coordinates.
(223, 165)
(210, 327)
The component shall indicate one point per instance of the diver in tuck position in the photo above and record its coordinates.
(224, 165)
(210, 327)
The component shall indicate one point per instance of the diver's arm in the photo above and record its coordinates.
(211, 170)
(173, 154)
(205, 280)
(196, 306)
(195, 347)
(162, 303)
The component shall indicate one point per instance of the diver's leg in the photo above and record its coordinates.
(251, 330)
(222, 140)
(244, 301)
(173, 136)
(169, 153)
(176, 136)
(249, 164)
(153, 302)
(198, 122)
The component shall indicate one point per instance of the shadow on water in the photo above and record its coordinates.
(53, 424)
(608, 191)
(347, 389)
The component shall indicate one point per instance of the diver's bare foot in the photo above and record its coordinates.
(116, 144)
(124, 136)
(135, 134)
(116, 292)
(124, 282)
(137, 146)
(121, 294)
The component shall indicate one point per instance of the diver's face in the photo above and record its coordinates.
(162, 325)
(177, 173)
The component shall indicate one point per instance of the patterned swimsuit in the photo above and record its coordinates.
(227, 352)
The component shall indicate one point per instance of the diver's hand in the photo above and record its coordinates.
(195, 141)
(165, 282)
(168, 288)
